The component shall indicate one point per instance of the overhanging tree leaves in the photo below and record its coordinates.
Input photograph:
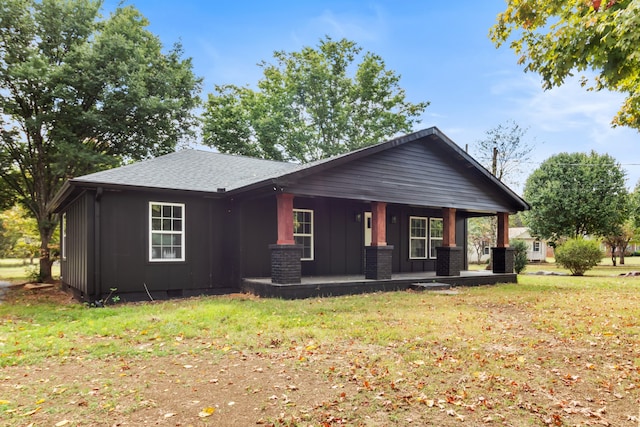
(577, 194)
(557, 38)
(308, 106)
(79, 93)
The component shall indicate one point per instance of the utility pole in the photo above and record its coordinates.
(494, 163)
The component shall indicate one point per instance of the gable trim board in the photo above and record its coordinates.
(231, 213)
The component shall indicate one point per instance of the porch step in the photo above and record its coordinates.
(430, 286)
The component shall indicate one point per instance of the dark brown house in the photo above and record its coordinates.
(196, 222)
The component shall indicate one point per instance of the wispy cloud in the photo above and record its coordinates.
(368, 25)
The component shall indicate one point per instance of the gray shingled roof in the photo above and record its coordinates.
(192, 170)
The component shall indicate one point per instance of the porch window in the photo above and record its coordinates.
(417, 237)
(303, 232)
(425, 236)
(166, 231)
(435, 235)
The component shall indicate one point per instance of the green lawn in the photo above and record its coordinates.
(18, 270)
(550, 350)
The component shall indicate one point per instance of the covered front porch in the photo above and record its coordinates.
(324, 286)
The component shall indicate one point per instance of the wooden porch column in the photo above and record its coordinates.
(285, 219)
(449, 227)
(286, 266)
(503, 255)
(449, 257)
(378, 224)
(503, 230)
(378, 256)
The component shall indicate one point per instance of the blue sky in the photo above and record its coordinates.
(441, 50)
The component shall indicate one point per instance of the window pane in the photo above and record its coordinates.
(177, 240)
(177, 211)
(155, 210)
(156, 224)
(177, 225)
(156, 239)
(167, 239)
(418, 227)
(155, 252)
(166, 224)
(305, 241)
(418, 248)
(166, 211)
(168, 253)
(434, 245)
(436, 228)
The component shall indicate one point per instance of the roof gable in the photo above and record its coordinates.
(424, 169)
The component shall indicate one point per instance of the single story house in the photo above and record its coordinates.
(536, 248)
(197, 222)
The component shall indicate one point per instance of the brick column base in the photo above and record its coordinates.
(286, 268)
(377, 264)
(449, 261)
(503, 260)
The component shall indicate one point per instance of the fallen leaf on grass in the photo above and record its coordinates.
(453, 413)
(62, 423)
(26, 414)
(207, 412)
(169, 415)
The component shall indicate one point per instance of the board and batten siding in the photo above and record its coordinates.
(77, 265)
(418, 173)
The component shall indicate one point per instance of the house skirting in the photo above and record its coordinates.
(326, 286)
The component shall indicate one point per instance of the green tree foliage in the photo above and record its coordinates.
(635, 206)
(308, 106)
(579, 255)
(619, 241)
(503, 150)
(19, 236)
(557, 38)
(520, 259)
(79, 93)
(577, 194)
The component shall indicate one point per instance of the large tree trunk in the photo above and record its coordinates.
(46, 226)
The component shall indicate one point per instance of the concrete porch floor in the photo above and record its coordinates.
(324, 286)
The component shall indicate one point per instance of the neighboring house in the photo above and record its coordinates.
(196, 222)
(537, 249)
(485, 253)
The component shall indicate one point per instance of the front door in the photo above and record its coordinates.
(367, 228)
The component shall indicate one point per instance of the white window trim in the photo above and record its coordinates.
(536, 247)
(182, 233)
(431, 238)
(425, 238)
(311, 249)
(63, 235)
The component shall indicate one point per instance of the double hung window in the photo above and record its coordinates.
(425, 236)
(166, 234)
(303, 232)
